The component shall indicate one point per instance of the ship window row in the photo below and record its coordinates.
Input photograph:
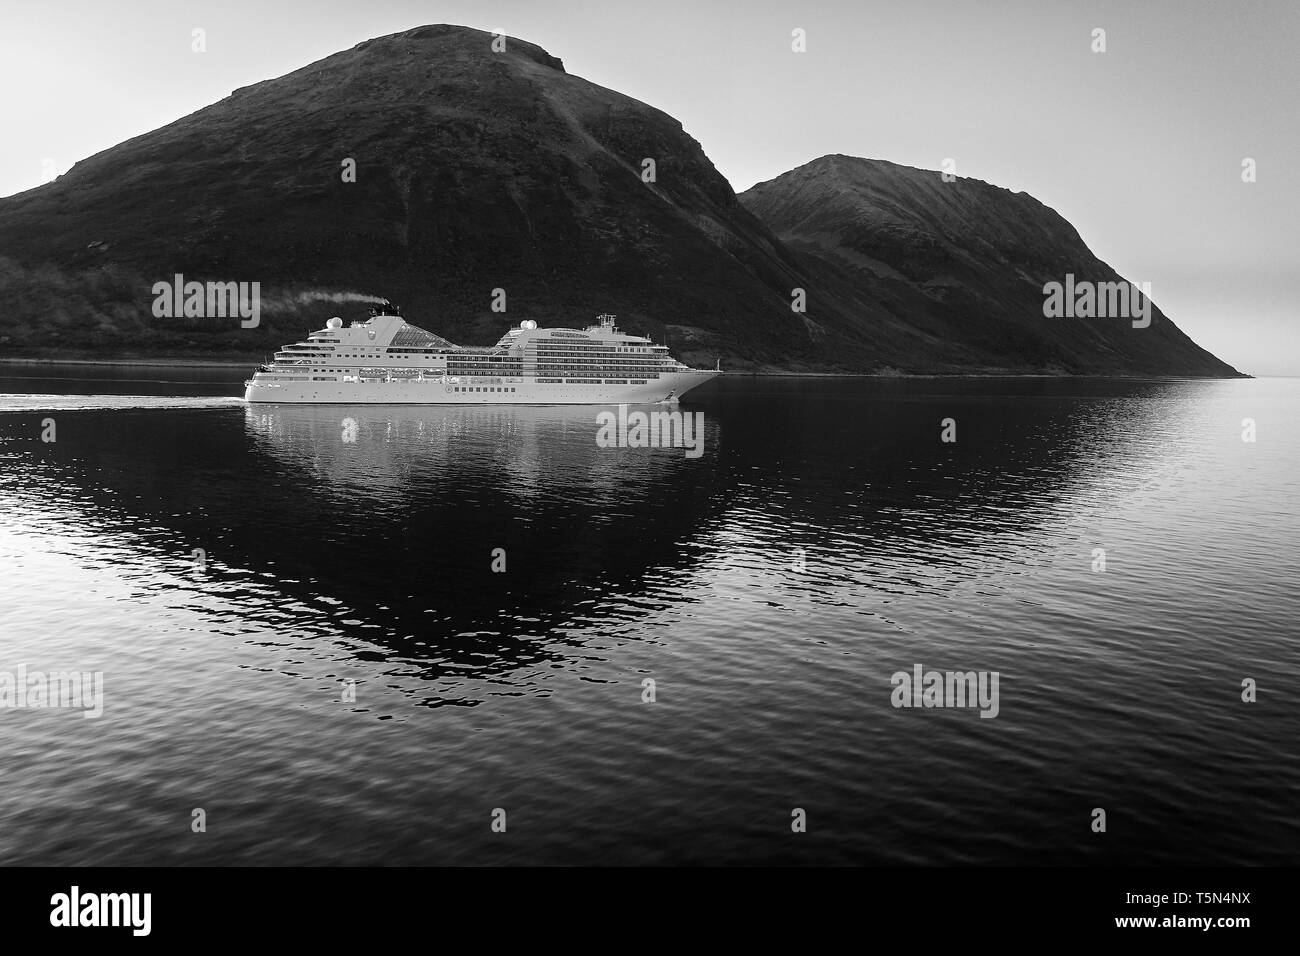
(483, 388)
(381, 370)
(603, 369)
(603, 350)
(429, 351)
(585, 350)
(595, 373)
(595, 356)
(431, 372)
(601, 359)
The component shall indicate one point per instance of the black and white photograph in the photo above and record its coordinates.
(765, 451)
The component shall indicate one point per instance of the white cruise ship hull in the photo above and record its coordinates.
(669, 387)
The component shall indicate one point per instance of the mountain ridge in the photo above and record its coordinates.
(964, 261)
(479, 171)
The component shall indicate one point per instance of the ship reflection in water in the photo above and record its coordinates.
(533, 449)
(501, 526)
(351, 632)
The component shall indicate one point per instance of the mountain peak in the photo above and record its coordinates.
(468, 38)
(958, 266)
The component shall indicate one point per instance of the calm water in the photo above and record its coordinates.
(370, 561)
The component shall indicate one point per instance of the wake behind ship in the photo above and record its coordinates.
(386, 360)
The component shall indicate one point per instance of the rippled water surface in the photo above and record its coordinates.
(824, 540)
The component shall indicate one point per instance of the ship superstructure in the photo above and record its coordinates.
(386, 360)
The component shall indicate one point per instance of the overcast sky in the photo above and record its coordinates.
(1140, 147)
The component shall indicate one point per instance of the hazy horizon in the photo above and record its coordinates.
(1139, 147)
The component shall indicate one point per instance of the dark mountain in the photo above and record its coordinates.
(475, 171)
(478, 170)
(939, 275)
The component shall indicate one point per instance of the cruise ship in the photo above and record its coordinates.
(387, 361)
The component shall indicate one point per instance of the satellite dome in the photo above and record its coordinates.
(528, 324)
(334, 323)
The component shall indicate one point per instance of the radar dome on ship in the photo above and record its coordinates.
(334, 323)
(528, 324)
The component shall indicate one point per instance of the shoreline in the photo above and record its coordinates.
(974, 373)
(144, 362)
